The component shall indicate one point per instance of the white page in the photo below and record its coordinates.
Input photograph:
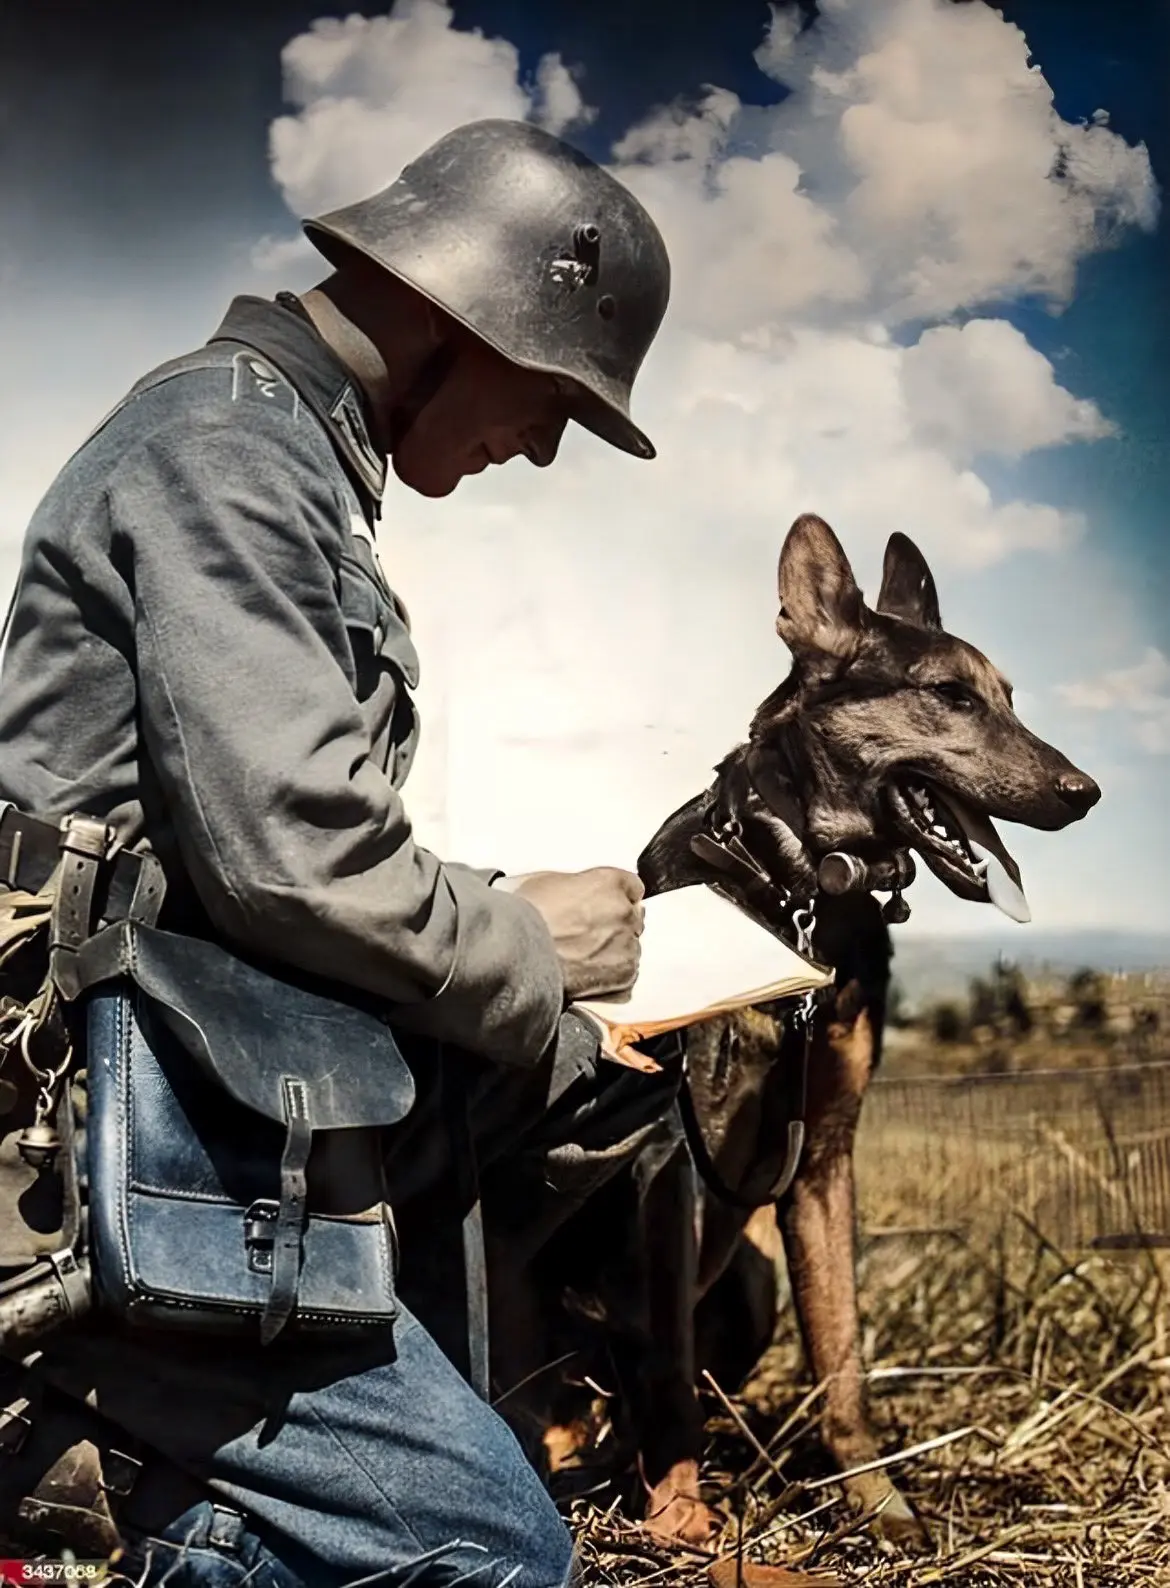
(680, 975)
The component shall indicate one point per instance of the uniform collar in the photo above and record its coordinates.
(283, 332)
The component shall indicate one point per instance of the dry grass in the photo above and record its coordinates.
(1021, 1397)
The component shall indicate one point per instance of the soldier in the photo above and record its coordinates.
(204, 655)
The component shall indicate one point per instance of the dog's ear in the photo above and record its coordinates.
(908, 590)
(821, 608)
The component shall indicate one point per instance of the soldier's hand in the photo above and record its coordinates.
(595, 918)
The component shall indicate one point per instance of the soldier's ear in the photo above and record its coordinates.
(822, 613)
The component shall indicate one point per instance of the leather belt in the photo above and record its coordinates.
(30, 851)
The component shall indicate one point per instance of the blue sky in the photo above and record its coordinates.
(137, 182)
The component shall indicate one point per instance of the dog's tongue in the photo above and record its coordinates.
(1004, 883)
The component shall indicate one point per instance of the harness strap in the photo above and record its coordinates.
(91, 882)
(722, 843)
(70, 1478)
(30, 852)
(84, 843)
(289, 1223)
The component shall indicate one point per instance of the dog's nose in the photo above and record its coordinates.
(1078, 791)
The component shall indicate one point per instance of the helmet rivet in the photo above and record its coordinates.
(589, 234)
(606, 306)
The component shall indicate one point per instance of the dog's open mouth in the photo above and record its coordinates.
(960, 846)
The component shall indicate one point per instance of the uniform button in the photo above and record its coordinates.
(379, 636)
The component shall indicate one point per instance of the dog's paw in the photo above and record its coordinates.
(897, 1522)
(674, 1512)
(565, 1442)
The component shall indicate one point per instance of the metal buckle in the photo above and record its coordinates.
(85, 835)
(805, 921)
(227, 1530)
(260, 1234)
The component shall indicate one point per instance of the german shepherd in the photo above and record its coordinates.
(889, 737)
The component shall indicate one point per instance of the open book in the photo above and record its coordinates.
(701, 956)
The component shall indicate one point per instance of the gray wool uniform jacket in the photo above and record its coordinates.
(204, 652)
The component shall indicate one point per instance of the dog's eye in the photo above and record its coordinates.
(956, 695)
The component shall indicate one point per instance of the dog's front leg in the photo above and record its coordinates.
(662, 1391)
(817, 1224)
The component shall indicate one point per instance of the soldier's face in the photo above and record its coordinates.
(486, 411)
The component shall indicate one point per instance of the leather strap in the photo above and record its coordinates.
(288, 1232)
(30, 850)
(84, 843)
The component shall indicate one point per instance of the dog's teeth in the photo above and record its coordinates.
(939, 831)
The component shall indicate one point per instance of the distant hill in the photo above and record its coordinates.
(939, 967)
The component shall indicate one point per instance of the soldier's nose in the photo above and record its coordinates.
(1078, 791)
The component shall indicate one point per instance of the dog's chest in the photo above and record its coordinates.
(741, 1088)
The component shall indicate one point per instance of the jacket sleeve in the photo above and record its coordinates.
(295, 840)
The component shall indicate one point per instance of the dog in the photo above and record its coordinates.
(888, 739)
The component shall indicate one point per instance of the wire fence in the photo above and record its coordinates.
(1084, 1155)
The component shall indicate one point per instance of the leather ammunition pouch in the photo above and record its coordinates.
(221, 1102)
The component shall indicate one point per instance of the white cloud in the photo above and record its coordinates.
(1141, 692)
(276, 256)
(983, 389)
(558, 101)
(928, 127)
(372, 92)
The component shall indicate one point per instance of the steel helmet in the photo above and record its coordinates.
(532, 246)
